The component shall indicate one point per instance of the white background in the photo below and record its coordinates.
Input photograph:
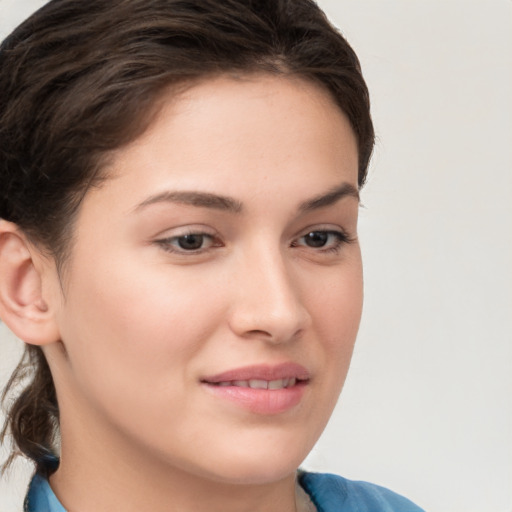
(427, 408)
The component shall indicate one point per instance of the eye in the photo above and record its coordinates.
(191, 242)
(317, 238)
(325, 240)
(188, 243)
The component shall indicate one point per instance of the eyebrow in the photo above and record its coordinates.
(332, 197)
(228, 204)
(199, 199)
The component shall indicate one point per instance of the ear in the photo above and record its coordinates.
(23, 307)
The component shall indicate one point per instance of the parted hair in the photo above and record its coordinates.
(79, 79)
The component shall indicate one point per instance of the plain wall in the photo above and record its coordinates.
(427, 407)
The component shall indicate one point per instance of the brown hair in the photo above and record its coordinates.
(79, 79)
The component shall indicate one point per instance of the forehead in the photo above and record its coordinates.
(243, 137)
(237, 120)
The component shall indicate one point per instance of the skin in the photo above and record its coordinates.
(141, 321)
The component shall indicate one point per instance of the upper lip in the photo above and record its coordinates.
(261, 372)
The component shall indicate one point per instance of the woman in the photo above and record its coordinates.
(178, 249)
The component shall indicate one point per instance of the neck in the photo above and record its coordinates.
(179, 494)
(112, 476)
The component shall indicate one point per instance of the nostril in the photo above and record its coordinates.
(276, 335)
(257, 332)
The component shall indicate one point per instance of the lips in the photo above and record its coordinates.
(260, 383)
(261, 389)
(267, 373)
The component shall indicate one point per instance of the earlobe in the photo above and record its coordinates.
(23, 307)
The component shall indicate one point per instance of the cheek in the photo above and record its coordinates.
(133, 323)
(138, 303)
(336, 317)
(338, 307)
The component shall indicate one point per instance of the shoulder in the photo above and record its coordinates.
(332, 493)
(40, 497)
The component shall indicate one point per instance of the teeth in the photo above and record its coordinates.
(258, 384)
(278, 384)
(261, 384)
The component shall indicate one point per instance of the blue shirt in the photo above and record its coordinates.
(329, 493)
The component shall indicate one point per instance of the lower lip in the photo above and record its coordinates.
(261, 401)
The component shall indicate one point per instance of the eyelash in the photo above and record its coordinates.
(168, 243)
(341, 238)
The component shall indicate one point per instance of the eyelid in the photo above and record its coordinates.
(326, 228)
(342, 238)
(165, 242)
(187, 229)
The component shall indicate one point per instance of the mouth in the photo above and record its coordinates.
(259, 383)
(261, 389)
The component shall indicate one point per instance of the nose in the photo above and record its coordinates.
(267, 301)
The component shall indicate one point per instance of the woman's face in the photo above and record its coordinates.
(213, 294)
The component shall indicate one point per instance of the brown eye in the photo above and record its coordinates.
(323, 240)
(316, 238)
(190, 242)
(193, 243)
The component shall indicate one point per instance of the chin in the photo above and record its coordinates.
(257, 467)
(260, 474)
